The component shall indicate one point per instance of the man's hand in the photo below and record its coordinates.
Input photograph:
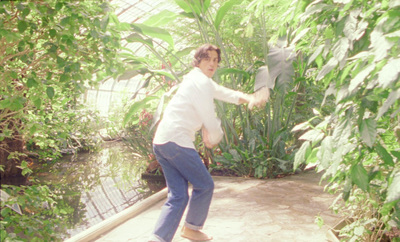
(206, 139)
(259, 98)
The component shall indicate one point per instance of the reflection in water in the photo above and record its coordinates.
(99, 185)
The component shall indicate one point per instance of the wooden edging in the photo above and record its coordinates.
(117, 219)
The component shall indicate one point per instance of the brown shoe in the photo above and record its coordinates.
(195, 235)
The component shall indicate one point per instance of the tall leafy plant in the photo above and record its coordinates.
(50, 52)
(259, 140)
(352, 49)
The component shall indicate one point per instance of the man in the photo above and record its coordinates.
(191, 109)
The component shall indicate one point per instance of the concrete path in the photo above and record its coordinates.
(250, 210)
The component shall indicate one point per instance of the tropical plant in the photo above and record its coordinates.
(352, 49)
(50, 52)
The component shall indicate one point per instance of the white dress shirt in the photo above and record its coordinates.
(191, 108)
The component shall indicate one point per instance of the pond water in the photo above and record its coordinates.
(98, 185)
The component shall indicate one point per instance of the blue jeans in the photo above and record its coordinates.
(180, 166)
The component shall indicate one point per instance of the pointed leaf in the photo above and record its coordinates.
(300, 35)
(280, 65)
(392, 98)
(341, 48)
(394, 189)
(50, 92)
(342, 132)
(37, 102)
(225, 71)
(184, 5)
(324, 154)
(389, 73)
(198, 6)
(350, 26)
(300, 156)
(263, 79)
(156, 32)
(163, 73)
(316, 53)
(360, 177)
(360, 77)
(31, 83)
(332, 63)
(368, 131)
(135, 108)
(128, 74)
(22, 26)
(161, 18)
(137, 38)
(312, 135)
(312, 9)
(301, 126)
(222, 11)
(385, 156)
(361, 27)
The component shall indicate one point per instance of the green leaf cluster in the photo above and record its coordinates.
(50, 53)
(353, 52)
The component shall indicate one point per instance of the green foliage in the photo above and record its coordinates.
(245, 148)
(354, 54)
(47, 62)
(50, 52)
(42, 209)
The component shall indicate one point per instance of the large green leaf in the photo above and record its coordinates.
(360, 177)
(350, 27)
(360, 77)
(324, 154)
(196, 6)
(223, 10)
(128, 74)
(394, 189)
(22, 26)
(155, 32)
(135, 37)
(368, 131)
(312, 135)
(263, 78)
(226, 71)
(392, 98)
(162, 18)
(342, 132)
(389, 73)
(340, 49)
(163, 73)
(50, 92)
(300, 35)
(312, 9)
(280, 64)
(133, 110)
(328, 67)
(385, 156)
(316, 53)
(300, 156)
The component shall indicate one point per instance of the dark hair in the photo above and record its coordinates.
(201, 53)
